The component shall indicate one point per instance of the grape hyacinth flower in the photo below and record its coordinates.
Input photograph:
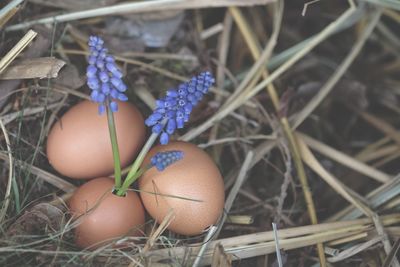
(103, 77)
(173, 110)
(162, 160)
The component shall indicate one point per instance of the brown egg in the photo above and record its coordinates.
(79, 146)
(102, 215)
(195, 177)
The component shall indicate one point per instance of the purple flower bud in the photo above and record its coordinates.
(93, 83)
(180, 122)
(92, 60)
(91, 71)
(172, 93)
(104, 77)
(160, 110)
(114, 93)
(149, 122)
(157, 128)
(162, 160)
(105, 88)
(177, 105)
(116, 82)
(113, 106)
(164, 138)
(100, 64)
(181, 102)
(171, 114)
(121, 87)
(122, 97)
(110, 59)
(188, 108)
(94, 95)
(101, 109)
(171, 126)
(101, 97)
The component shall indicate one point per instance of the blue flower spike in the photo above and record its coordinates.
(162, 160)
(173, 110)
(103, 77)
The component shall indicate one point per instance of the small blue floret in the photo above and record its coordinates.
(104, 77)
(162, 160)
(174, 109)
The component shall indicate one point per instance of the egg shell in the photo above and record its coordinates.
(79, 146)
(103, 215)
(194, 177)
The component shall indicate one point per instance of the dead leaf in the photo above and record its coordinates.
(69, 77)
(153, 29)
(42, 218)
(44, 67)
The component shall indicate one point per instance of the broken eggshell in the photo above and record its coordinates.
(192, 187)
(102, 216)
(79, 146)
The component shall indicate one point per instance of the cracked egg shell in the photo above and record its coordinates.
(195, 177)
(103, 216)
(79, 146)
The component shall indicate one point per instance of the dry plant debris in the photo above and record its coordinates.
(303, 123)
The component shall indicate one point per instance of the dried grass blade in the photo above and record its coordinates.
(339, 72)
(392, 255)
(381, 125)
(376, 198)
(345, 159)
(16, 50)
(336, 185)
(9, 7)
(235, 189)
(7, 195)
(139, 7)
(252, 245)
(244, 96)
(46, 176)
(354, 250)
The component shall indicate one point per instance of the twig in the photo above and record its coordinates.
(235, 189)
(287, 177)
(7, 194)
(277, 247)
(303, 12)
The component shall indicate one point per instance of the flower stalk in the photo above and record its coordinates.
(115, 149)
(172, 111)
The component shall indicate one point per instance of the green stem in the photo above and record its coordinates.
(115, 149)
(134, 173)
